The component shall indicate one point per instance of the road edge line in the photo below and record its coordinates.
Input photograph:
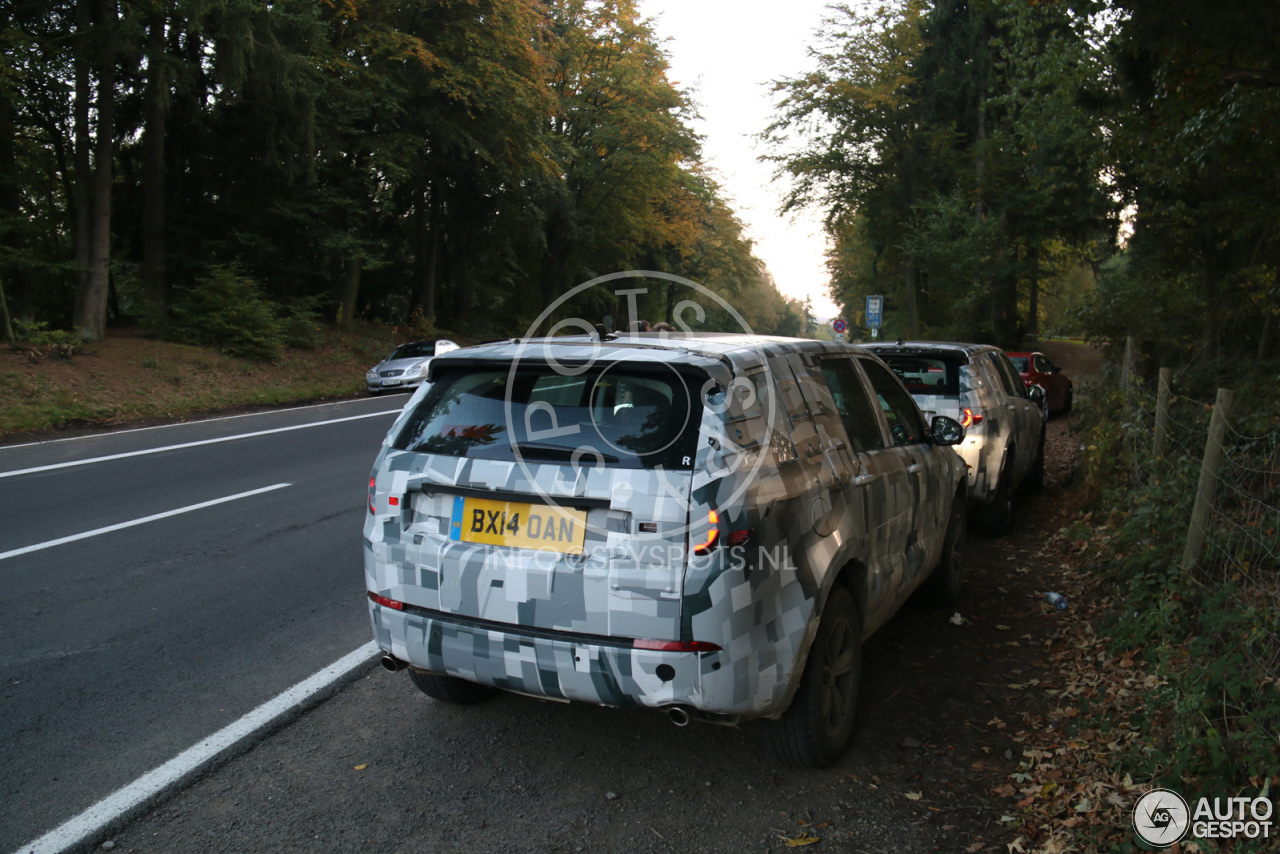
(113, 811)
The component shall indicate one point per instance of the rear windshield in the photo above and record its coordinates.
(926, 374)
(618, 415)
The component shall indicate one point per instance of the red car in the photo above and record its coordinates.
(1039, 369)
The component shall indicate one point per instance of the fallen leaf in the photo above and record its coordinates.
(360, 767)
(913, 796)
(805, 838)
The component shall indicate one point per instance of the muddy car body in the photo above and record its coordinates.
(708, 525)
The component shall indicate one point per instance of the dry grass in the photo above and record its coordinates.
(131, 379)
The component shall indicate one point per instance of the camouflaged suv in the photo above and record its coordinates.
(977, 385)
(706, 525)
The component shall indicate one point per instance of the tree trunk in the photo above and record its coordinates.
(6, 324)
(1033, 309)
(913, 311)
(10, 195)
(80, 200)
(91, 304)
(980, 167)
(153, 177)
(433, 255)
(350, 290)
(418, 240)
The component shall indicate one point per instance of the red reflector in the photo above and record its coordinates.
(393, 501)
(385, 602)
(676, 646)
(737, 538)
(713, 518)
(970, 418)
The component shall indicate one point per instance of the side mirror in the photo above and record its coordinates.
(946, 431)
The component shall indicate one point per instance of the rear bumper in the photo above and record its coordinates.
(560, 666)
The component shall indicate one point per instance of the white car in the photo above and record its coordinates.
(406, 367)
(708, 525)
(978, 386)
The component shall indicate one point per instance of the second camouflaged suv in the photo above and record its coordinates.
(977, 385)
(706, 525)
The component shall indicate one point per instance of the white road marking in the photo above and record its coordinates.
(187, 423)
(136, 796)
(145, 519)
(178, 447)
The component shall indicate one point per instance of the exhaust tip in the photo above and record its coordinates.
(391, 664)
(679, 716)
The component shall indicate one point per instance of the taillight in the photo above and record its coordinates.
(385, 602)
(713, 519)
(372, 481)
(737, 538)
(676, 646)
(970, 418)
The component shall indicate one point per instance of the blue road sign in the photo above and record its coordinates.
(875, 305)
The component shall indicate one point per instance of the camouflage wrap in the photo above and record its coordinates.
(795, 508)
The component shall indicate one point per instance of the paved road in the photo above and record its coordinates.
(120, 650)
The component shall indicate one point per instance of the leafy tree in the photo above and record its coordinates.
(947, 145)
(1196, 156)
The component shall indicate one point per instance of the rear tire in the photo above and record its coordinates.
(994, 519)
(449, 689)
(943, 585)
(815, 730)
(1066, 407)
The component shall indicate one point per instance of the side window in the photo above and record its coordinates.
(860, 422)
(906, 425)
(1009, 377)
(776, 420)
(997, 371)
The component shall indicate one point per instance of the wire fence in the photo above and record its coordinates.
(1242, 527)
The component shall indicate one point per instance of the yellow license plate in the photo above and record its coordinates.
(518, 525)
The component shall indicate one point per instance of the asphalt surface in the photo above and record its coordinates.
(120, 650)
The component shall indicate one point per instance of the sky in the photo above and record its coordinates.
(725, 53)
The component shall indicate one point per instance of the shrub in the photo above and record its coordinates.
(1209, 633)
(226, 310)
(37, 332)
(301, 325)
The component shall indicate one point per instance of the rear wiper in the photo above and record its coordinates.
(559, 452)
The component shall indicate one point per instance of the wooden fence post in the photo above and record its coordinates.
(1208, 481)
(1162, 413)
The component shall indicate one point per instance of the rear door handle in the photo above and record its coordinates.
(914, 468)
(863, 479)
